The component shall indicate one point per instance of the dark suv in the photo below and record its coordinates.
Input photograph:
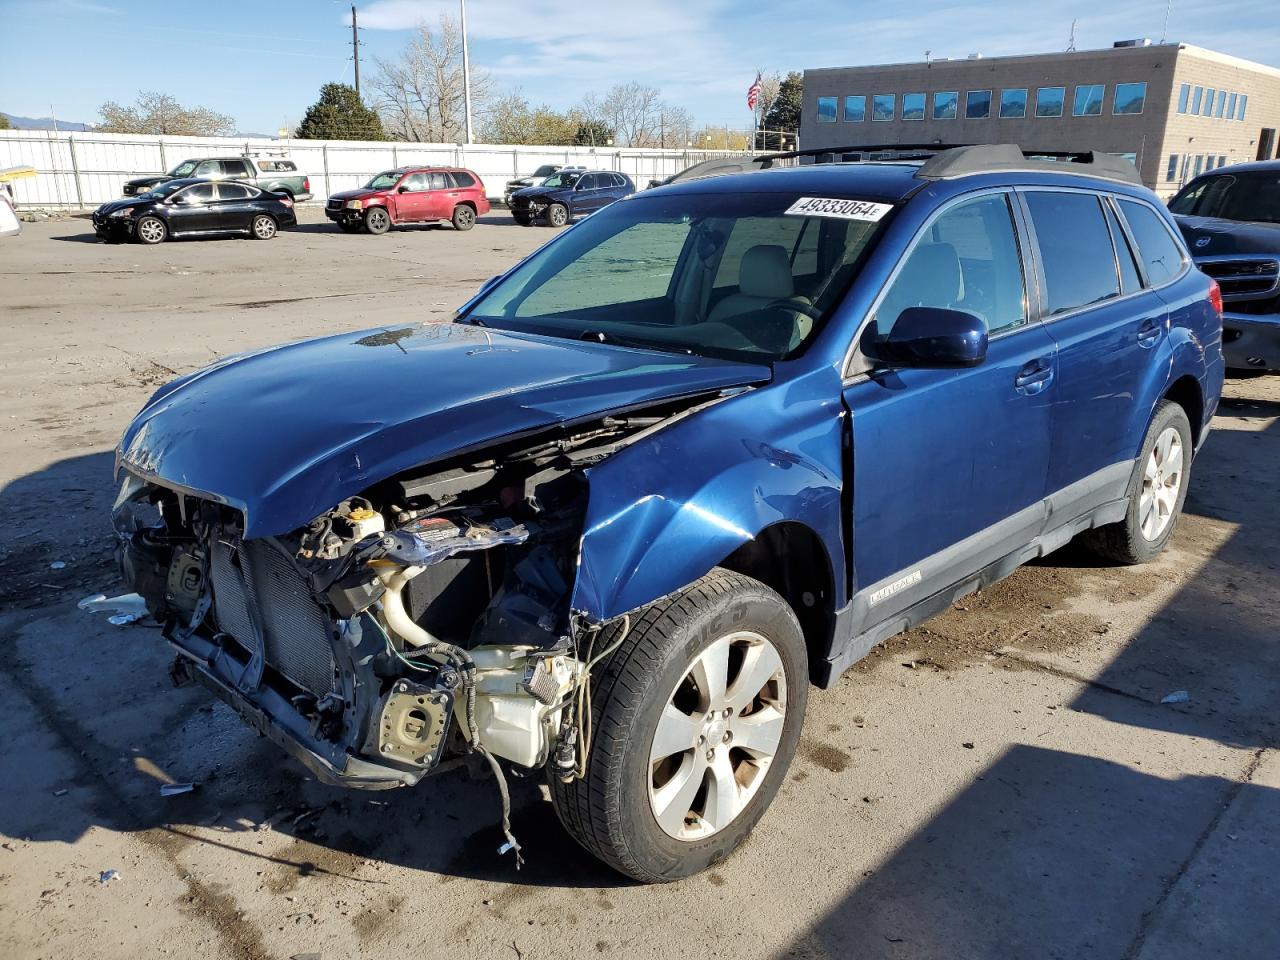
(1231, 221)
(696, 454)
(569, 194)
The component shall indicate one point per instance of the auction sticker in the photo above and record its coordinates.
(840, 209)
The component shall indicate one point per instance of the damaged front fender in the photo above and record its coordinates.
(669, 507)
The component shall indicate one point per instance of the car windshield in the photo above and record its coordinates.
(735, 276)
(183, 169)
(546, 170)
(162, 190)
(563, 179)
(385, 181)
(1252, 196)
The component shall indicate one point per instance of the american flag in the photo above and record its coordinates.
(753, 93)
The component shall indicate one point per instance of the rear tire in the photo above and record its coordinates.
(650, 805)
(464, 217)
(1156, 492)
(377, 221)
(264, 227)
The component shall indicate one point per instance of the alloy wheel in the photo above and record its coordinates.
(1161, 482)
(717, 736)
(151, 230)
(559, 215)
(264, 228)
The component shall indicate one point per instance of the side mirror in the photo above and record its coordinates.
(933, 337)
(402, 189)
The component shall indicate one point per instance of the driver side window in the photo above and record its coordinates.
(967, 259)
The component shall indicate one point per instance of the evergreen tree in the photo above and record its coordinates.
(340, 114)
(784, 112)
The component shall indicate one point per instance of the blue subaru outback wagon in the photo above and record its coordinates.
(698, 453)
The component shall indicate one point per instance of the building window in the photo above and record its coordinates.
(913, 106)
(1244, 102)
(1088, 102)
(1130, 98)
(1013, 103)
(1208, 102)
(826, 109)
(883, 106)
(1184, 97)
(855, 109)
(1231, 107)
(1171, 173)
(945, 105)
(1199, 165)
(1222, 105)
(1049, 101)
(1195, 100)
(977, 104)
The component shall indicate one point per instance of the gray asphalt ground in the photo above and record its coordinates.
(1003, 782)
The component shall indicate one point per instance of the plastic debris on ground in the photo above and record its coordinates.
(173, 789)
(1178, 696)
(57, 565)
(106, 876)
(124, 609)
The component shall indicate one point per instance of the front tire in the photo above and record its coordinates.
(557, 215)
(696, 718)
(151, 230)
(377, 220)
(1156, 492)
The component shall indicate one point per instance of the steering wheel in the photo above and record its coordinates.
(795, 306)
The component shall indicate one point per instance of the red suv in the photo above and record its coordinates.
(410, 195)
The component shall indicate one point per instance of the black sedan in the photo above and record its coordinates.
(182, 208)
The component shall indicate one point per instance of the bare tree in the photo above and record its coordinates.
(159, 113)
(420, 94)
(638, 116)
(770, 85)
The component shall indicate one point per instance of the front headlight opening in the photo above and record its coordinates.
(353, 204)
(121, 213)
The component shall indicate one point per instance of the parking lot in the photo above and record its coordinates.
(1001, 782)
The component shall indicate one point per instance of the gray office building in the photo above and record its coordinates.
(1173, 109)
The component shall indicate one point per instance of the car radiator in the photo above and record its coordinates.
(255, 577)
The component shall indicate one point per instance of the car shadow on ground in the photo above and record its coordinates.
(1055, 854)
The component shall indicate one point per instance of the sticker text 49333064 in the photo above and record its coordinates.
(838, 208)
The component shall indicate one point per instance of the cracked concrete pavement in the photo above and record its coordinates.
(1001, 782)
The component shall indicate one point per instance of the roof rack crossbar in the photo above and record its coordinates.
(995, 157)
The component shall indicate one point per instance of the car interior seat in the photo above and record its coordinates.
(764, 278)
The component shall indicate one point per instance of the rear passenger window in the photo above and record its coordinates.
(967, 260)
(1129, 279)
(1156, 246)
(234, 191)
(1075, 249)
(437, 182)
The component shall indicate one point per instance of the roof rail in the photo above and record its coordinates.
(994, 157)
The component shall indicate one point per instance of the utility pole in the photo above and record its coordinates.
(355, 47)
(466, 72)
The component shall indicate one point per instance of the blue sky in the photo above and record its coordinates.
(264, 62)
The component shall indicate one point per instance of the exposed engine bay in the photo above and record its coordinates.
(407, 629)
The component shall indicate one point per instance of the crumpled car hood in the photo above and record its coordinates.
(359, 193)
(1210, 236)
(286, 433)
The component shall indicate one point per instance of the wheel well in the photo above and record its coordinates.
(1185, 392)
(466, 203)
(789, 558)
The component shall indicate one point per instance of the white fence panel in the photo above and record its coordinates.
(86, 169)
